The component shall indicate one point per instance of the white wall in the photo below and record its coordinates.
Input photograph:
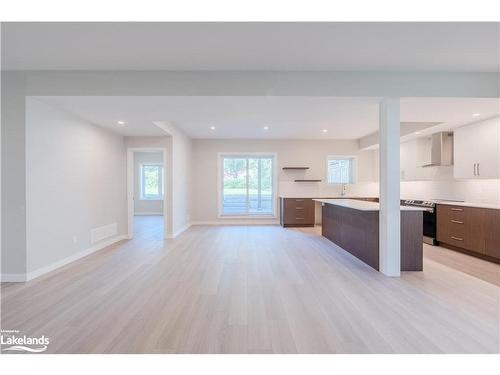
(75, 182)
(312, 154)
(179, 177)
(182, 193)
(145, 206)
(13, 244)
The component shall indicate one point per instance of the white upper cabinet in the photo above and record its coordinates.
(477, 150)
(415, 155)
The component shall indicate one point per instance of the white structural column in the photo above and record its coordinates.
(390, 217)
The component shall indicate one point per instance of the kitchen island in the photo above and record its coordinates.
(300, 211)
(354, 226)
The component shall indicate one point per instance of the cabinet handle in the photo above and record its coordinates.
(299, 218)
(475, 169)
(299, 200)
(457, 222)
(478, 173)
(457, 238)
(299, 208)
(457, 209)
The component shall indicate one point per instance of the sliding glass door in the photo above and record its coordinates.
(247, 185)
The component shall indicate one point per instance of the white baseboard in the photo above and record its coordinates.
(238, 222)
(183, 229)
(13, 278)
(60, 263)
(148, 213)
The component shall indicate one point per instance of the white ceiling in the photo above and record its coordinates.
(412, 46)
(288, 117)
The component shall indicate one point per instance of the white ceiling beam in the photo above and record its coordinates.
(230, 83)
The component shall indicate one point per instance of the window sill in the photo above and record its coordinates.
(151, 199)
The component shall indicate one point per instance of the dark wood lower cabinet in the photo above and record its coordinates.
(297, 212)
(492, 233)
(471, 229)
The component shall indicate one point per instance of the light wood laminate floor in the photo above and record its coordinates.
(251, 289)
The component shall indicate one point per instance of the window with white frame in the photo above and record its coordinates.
(341, 169)
(151, 181)
(247, 185)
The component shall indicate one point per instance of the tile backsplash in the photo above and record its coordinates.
(478, 191)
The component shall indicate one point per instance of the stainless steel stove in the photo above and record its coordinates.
(429, 214)
(431, 205)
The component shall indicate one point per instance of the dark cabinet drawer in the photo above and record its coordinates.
(462, 227)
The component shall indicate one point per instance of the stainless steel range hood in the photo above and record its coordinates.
(441, 150)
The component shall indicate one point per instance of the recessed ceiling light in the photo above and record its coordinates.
(121, 122)
(266, 127)
(476, 114)
(325, 130)
(212, 128)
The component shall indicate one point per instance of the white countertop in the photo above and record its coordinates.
(301, 196)
(437, 201)
(362, 205)
(469, 204)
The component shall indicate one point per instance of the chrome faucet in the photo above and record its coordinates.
(344, 189)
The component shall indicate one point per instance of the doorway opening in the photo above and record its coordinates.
(146, 192)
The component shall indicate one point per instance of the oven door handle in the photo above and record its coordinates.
(430, 210)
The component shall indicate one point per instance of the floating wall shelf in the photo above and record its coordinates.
(307, 180)
(295, 168)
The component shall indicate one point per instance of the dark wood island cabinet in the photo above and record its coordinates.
(354, 226)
